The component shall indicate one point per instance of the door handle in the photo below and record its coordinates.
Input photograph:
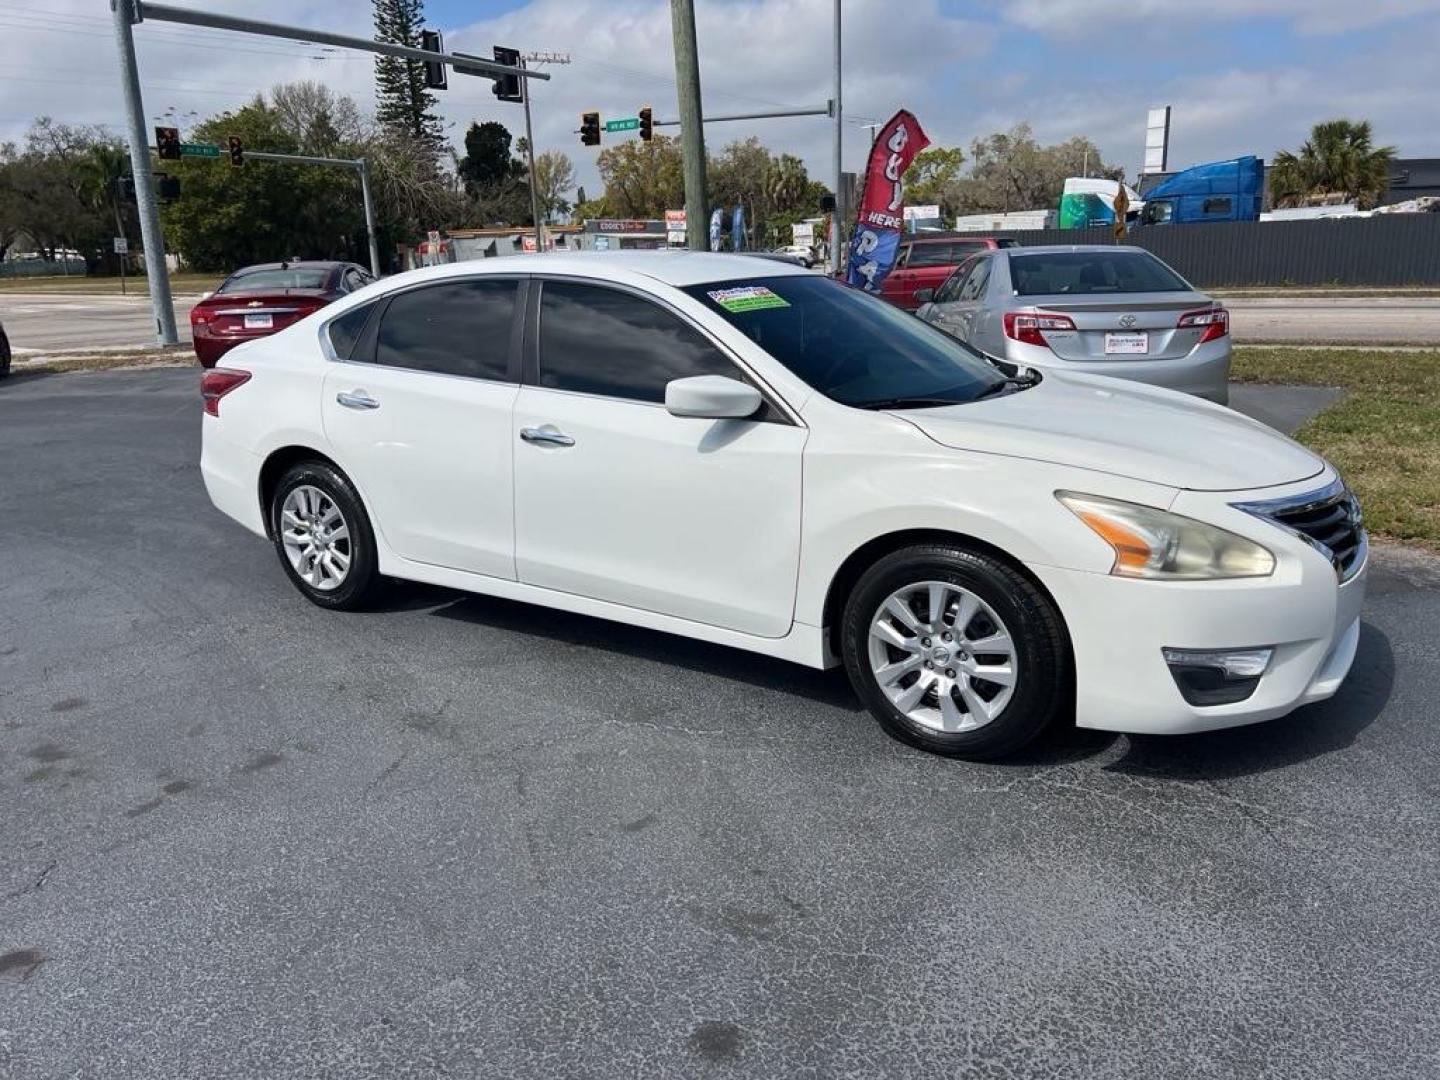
(546, 436)
(356, 399)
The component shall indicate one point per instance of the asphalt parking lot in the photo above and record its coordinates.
(240, 836)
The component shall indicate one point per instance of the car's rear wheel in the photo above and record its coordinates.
(955, 651)
(323, 536)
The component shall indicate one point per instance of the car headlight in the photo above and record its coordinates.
(1151, 543)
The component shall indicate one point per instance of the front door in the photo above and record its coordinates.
(420, 418)
(618, 500)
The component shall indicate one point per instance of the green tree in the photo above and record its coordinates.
(403, 104)
(1339, 159)
(1010, 170)
(642, 179)
(493, 178)
(49, 193)
(554, 177)
(930, 180)
(261, 212)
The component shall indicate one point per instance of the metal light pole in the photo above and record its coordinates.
(692, 124)
(151, 237)
(530, 153)
(369, 216)
(839, 138)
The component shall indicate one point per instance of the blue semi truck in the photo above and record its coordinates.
(1231, 190)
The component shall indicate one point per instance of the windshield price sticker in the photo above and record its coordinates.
(747, 298)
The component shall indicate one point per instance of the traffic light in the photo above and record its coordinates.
(167, 143)
(647, 123)
(125, 188)
(507, 87)
(167, 187)
(431, 41)
(237, 151)
(590, 128)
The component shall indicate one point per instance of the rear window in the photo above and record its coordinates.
(1091, 273)
(294, 277)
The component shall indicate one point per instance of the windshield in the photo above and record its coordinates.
(293, 277)
(848, 345)
(1091, 273)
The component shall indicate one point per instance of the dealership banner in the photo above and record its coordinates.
(715, 222)
(882, 209)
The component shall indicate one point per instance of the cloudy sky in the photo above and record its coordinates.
(1239, 82)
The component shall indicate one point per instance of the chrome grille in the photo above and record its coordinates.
(1329, 520)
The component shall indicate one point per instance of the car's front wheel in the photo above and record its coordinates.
(955, 651)
(323, 536)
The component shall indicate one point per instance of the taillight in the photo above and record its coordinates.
(1216, 322)
(216, 383)
(1029, 327)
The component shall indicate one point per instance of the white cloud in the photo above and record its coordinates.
(60, 61)
(1073, 18)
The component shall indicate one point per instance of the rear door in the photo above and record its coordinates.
(959, 311)
(419, 416)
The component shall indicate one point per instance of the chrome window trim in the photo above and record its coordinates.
(1332, 493)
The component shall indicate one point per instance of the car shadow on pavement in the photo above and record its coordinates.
(1307, 733)
(825, 687)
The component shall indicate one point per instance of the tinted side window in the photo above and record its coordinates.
(603, 341)
(954, 283)
(1217, 206)
(974, 287)
(930, 255)
(459, 328)
(346, 330)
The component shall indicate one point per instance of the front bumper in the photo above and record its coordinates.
(1118, 627)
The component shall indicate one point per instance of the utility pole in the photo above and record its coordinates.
(151, 237)
(692, 123)
(835, 221)
(530, 154)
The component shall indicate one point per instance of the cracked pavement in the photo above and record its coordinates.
(243, 837)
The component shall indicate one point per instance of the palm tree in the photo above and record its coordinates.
(1339, 158)
(786, 182)
(99, 172)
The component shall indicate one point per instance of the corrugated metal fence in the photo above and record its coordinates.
(1389, 249)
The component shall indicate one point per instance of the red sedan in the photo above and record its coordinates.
(260, 300)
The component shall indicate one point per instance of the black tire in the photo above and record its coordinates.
(362, 582)
(1042, 654)
(4, 354)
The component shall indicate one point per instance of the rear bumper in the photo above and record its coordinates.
(1205, 372)
(232, 477)
(210, 347)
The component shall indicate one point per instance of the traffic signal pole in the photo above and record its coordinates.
(360, 165)
(151, 237)
(530, 152)
(692, 124)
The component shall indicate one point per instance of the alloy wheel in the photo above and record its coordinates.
(316, 538)
(942, 656)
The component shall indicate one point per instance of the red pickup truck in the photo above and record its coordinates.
(927, 259)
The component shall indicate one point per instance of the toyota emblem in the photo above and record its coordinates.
(1127, 321)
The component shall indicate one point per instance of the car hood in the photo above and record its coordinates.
(1126, 429)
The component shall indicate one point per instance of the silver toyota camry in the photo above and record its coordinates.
(1099, 310)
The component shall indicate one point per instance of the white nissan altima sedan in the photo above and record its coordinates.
(746, 453)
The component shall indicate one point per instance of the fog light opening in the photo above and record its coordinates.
(1217, 676)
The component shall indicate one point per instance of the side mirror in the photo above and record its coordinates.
(924, 296)
(712, 397)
